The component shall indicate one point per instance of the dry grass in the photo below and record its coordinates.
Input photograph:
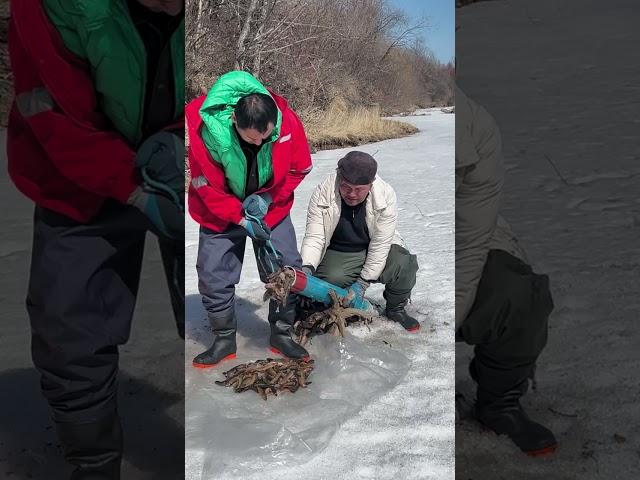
(343, 126)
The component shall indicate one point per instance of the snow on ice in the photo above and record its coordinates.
(407, 431)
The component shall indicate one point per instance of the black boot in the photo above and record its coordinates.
(224, 340)
(281, 319)
(502, 413)
(94, 448)
(397, 313)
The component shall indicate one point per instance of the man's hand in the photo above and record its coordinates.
(166, 217)
(308, 270)
(269, 259)
(257, 204)
(160, 159)
(256, 228)
(358, 288)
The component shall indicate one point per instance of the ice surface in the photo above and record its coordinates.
(408, 431)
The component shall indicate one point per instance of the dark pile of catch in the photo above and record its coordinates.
(269, 377)
(278, 285)
(332, 320)
(318, 318)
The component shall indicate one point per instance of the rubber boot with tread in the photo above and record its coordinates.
(281, 319)
(224, 341)
(503, 414)
(397, 313)
(94, 448)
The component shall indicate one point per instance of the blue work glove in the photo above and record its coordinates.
(167, 219)
(257, 204)
(358, 288)
(256, 228)
(160, 160)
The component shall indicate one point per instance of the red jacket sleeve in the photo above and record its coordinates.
(211, 188)
(300, 161)
(207, 178)
(56, 98)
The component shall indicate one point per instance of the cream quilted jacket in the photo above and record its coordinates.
(323, 215)
(479, 178)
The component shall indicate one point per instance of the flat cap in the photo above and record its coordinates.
(358, 168)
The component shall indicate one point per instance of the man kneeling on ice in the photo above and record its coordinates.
(351, 239)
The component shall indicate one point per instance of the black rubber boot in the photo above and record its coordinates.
(502, 413)
(94, 448)
(224, 340)
(281, 319)
(397, 313)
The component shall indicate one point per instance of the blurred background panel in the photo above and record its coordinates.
(151, 381)
(557, 78)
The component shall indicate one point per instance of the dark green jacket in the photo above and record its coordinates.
(102, 33)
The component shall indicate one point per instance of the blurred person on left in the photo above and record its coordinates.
(96, 140)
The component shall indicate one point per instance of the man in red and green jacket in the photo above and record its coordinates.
(96, 140)
(247, 152)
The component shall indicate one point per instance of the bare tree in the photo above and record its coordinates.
(240, 48)
(315, 52)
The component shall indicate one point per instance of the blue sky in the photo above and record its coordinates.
(440, 36)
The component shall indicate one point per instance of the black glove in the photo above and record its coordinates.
(308, 270)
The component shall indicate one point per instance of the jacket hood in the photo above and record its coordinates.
(219, 105)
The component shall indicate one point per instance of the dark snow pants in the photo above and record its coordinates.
(81, 297)
(342, 269)
(507, 322)
(220, 257)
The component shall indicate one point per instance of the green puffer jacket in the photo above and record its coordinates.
(219, 136)
(102, 33)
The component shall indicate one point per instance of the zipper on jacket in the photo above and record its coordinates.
(143, 50)
(177, 107)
